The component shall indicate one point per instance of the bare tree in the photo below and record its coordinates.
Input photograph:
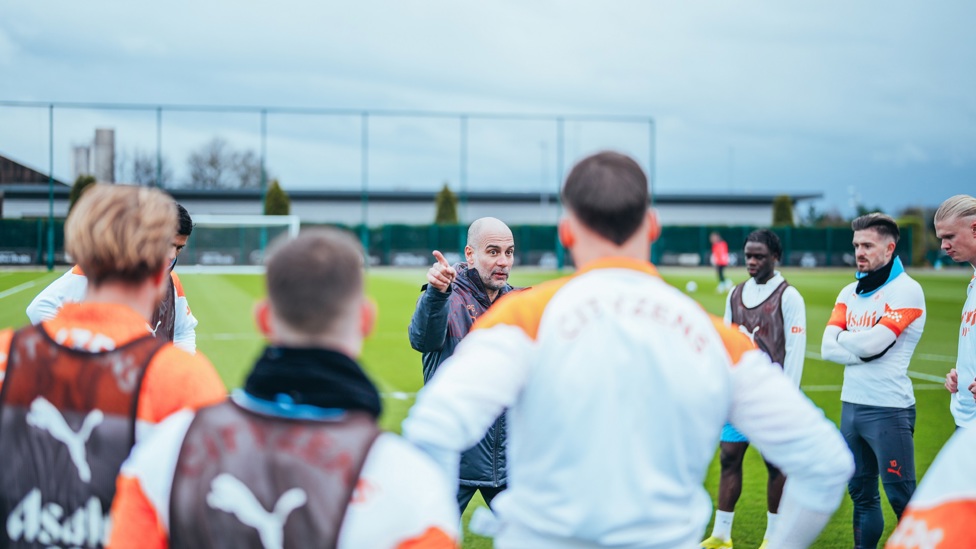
(122, 167)
(139, 167)
(144, 170)
(209, 166)
(216, 165)
(247, 168)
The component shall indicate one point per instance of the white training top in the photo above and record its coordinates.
(962, 404)
(864, 326)
(794, 319)
(617, 387)
(72, 287)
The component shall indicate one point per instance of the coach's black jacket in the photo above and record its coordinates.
(437, 326)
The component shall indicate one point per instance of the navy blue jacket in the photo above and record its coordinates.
(437, 326)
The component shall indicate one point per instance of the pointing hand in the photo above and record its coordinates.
(441, 274)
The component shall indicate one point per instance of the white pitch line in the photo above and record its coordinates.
(837, 388)
(399, 395)
(937, 358)
(820, 388)
(926, 377)
(17, 289)
(923, 356)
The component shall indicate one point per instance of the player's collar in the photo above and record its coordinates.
(313, 377)
(620, 263)
(773, 281)
(868, 283)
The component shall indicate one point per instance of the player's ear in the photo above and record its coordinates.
(160, 277)
(469, 254)
(159, 281)
(654, 227)
(565, 231)
(367, 317)
(262, 316)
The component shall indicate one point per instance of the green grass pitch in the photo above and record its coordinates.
(227, 335)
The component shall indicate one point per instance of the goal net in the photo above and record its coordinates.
(233, 242)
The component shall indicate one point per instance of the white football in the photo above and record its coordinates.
(691, 286)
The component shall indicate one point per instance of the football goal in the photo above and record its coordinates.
(234, 242)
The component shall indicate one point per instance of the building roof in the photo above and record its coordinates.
(15, 173)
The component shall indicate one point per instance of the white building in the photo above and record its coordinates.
(417, 207)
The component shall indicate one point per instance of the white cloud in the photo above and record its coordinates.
(7, 48)
(906, 153)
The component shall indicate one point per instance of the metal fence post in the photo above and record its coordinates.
(364, 175)
(829, 239)
(463, 214)
(50, 188)
(159, 148)
(263, 243)
(560, 251)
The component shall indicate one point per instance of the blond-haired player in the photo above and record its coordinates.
(941, 513)
(172, 319)
(955, 225)
(81, 388)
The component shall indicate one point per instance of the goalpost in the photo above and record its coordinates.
(233, 243)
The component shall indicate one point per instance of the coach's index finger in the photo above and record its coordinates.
(440, 259)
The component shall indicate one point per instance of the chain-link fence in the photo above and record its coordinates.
(23, 242)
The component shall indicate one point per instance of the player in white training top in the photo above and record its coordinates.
(955, 225)
(942, 512)
(873, 330)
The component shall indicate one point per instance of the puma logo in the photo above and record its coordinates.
(229, 494)
(44, 415)
(751, 335)
(153, 330)
(894, 468)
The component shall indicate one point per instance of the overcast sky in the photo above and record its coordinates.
(874, 101)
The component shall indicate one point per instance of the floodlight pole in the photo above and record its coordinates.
(364, 174)
(651, 167)
(651, 156)
(463, 181)
(264, 151)
(159, 148)
(264, 176)
(560, 251)
(50, 189)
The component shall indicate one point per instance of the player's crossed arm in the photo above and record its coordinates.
(441, 274)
